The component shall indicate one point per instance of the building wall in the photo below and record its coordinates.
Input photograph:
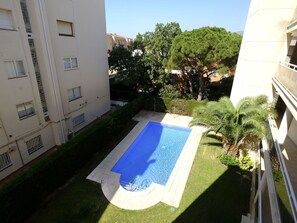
(264, 44)
(88, 45)
(114, 40)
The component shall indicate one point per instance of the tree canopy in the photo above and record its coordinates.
(202, 49)
(129, 68)
(195, 53)
(156, 49)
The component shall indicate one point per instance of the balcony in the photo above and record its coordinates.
(286, 78)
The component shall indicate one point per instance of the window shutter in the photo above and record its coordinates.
(65, 28)
(5, 19)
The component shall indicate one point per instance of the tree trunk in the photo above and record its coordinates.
(190, 86)
(231, 150)
(201, 88)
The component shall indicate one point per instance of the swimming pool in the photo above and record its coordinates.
(151, 157)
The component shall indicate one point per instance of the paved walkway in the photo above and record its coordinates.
(171, 193)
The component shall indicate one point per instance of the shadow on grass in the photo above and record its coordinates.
(224, 201)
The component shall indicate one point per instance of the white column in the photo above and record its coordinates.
(284, 126)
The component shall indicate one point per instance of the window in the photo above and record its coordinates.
(74, 93)
(15, 68)
(65, 28)
(34, 144)
(4, 161)
(78, 120)
(25, 110)
(5, 19)
(70, 63)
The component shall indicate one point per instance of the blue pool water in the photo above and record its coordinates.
(151, 157)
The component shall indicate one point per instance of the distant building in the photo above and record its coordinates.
(114, 40)
(53, 75)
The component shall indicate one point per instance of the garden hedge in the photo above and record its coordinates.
(21, 196)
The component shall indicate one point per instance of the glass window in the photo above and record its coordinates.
(67, 64)
(70, 63)
(15, 68)
(34, 144)
(74, 62)
(25, 110)
(4, 161)
(74, 93)
(5, 19)
(78, 120)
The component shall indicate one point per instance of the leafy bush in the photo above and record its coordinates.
(229, 160)
(168, 91)
(245, 163)
(23, 194)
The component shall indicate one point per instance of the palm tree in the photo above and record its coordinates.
(235, 125)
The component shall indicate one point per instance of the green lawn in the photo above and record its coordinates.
(213, 194)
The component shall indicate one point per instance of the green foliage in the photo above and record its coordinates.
(228, 160)
(156, 50)
(200, 48)
(277, 175)
(168, 91)
(203, 47)
(245, 163)
(24, 194)
(238, 124)
(130, 69)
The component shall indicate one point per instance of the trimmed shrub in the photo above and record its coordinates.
(245, 163)
(228, 160)
(22, 195)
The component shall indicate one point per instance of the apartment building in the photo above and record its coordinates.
(53, 75)
(114, 40)
(267, 64)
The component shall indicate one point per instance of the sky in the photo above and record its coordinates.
(130, 17)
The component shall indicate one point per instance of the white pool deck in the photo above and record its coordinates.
(170, 194)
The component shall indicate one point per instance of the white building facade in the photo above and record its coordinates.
(267, 64)
(53, 75)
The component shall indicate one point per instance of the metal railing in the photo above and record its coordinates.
(288, 184)
(287, 180)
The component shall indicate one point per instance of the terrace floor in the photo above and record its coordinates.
(171, 193)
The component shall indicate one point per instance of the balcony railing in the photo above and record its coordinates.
(287, 75)
(283, 168)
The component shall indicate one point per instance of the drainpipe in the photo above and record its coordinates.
(52, 72)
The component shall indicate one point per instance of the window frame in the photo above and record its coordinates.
(74, 97)
(15, 73)
(9, 13)
(71, 27)
(7, 161)
(28, 114)
(33, 141)
(71, 63)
